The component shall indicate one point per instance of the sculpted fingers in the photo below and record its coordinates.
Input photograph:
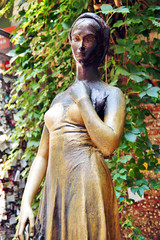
(78, 91)
(26, 223)
(20, 230)
(31, 227)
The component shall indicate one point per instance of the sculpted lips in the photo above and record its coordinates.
(81, 54)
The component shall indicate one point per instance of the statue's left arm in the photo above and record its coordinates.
(104, 134)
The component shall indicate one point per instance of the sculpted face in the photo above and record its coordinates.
(84, 41)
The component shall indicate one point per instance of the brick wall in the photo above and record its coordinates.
(146, 213)
(153, 125)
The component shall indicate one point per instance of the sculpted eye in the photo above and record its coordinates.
(75, 38)
(89, 39)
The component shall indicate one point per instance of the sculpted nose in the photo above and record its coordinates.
(81, 45)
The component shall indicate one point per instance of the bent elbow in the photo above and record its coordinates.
(108, 148)
(107, 151)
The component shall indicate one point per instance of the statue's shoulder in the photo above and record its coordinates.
(114, 91)
(57, 98)
(60, 97)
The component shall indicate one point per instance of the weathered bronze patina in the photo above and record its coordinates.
(83, 125)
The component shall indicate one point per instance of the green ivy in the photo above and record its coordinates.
(43, 65)
(138, 63)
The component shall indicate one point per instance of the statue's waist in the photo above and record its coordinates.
(69, 130)
(67, 136)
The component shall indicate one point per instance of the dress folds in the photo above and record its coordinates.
(78, 200)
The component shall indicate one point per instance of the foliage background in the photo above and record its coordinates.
(44, 67)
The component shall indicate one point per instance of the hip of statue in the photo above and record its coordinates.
(70, 149)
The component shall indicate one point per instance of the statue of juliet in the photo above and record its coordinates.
(83, 125)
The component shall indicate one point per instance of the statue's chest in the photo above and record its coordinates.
(66, 110)
(62, 112)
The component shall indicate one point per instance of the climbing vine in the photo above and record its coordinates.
(138, 63)
(43, 65)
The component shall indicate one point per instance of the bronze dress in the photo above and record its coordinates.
(78, 200)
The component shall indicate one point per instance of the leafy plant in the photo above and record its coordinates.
(133, 64)
(43, 66)
(130, 55)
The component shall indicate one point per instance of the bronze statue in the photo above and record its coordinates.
(83, 125)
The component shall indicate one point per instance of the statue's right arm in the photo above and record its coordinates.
(36, 175)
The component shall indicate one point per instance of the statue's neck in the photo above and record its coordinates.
(88, 73)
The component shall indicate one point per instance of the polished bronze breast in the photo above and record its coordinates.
(59, 115)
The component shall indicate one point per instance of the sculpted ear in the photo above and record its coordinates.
(70, 35)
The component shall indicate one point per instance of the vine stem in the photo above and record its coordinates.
(110, 17)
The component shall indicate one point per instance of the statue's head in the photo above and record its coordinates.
(89, 38)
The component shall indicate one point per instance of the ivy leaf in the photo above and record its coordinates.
(120, 49)
(128, 22)
(66, 25)
(12, 53)
(156, 23)
(35, 86)
(140, 191)
(106, 8)
(122, 9)
(134, 190)
(33, 143)
(118, 24)
(153, 92)
(121, 42)
(145, 75)
(118, 194)
(123, 71)
(136, 78)
(122, 171)
(124, 159)
(155, 184)
(154, 7)
(130, 136)
(131, 173)
(141, 182)
(132, 68)
(35, 72)
(145, 187)
(136, 131)
(150, 91)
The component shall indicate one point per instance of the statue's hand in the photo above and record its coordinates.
(26, 214)
(79, 91)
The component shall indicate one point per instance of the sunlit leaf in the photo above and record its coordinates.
(136, 78)
(106, 8)
(122, 9)
(130, 136)
(118, 24)
(153, 92)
